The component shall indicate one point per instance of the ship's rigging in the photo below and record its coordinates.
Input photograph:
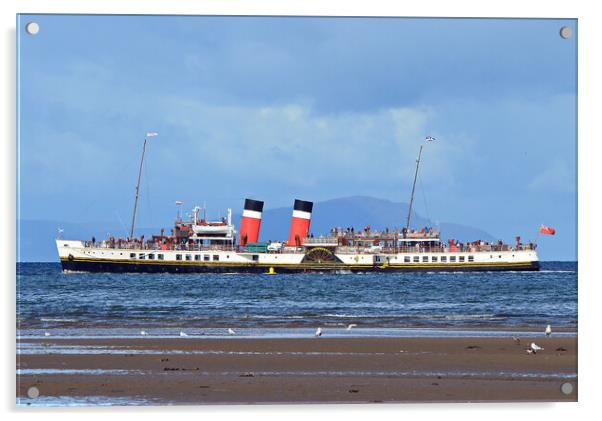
(148, 135)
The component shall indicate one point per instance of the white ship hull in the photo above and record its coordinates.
(77, 256)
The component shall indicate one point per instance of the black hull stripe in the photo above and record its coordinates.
(97, 265)
(341, 265)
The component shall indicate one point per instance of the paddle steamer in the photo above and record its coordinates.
(199, 245)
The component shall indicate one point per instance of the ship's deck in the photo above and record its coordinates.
(338, 249)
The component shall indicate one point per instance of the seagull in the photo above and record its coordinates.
(534, 348)
(548, 331)
(319, 332)
(182, 334)
(516, 340)
(143, 333)
(231, 332)
(351, 326)
(46, 333)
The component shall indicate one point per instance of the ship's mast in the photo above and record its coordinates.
(413, 188)
(138, 184)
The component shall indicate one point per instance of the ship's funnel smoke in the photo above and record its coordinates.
(300, 222)
(250, 222)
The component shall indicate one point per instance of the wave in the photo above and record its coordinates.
(76, 401)
(420, 373)
(557, 271)
(51, 319)
(416, 316)
(73, 371)
(474, 317)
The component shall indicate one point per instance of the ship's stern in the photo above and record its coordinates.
(532, 258)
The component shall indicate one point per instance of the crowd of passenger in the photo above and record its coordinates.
(156, 243)
(426, 231)
(374, 244)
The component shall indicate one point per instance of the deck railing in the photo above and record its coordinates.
(462, 248)
(136, 245)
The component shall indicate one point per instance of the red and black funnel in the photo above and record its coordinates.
(250, 222)
(300, 222)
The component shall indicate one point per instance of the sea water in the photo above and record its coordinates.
(380, 304)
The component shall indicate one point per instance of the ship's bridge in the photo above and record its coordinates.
(419, 240)
(406, 241)
(370, 239)
(320, 241)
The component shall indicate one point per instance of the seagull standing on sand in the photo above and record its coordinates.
(548, 331)
(231, 332)
(351, 326)
(182, 334)
(533, 348)
(516, 340)
(319, 332)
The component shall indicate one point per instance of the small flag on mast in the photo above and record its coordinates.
(547, 230)
(430, 138)
(152, 134)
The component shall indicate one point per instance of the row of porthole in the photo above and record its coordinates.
(187, 257)
(436, 259)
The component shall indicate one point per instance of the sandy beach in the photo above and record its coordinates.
(313, 370)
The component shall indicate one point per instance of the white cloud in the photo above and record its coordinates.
(309, 149)
(211, 146)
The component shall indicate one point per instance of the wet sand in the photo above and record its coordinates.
(313, 370)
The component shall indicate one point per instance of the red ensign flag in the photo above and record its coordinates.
(547, 230)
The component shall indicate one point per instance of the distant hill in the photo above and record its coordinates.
(357, 212)
(36, 240)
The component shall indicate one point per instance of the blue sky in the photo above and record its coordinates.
(315, 108)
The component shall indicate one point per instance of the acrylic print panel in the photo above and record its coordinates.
(295, 210)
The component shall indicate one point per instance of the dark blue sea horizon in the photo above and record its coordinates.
(49, 299)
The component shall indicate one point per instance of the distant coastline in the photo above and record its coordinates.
(35, 239)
